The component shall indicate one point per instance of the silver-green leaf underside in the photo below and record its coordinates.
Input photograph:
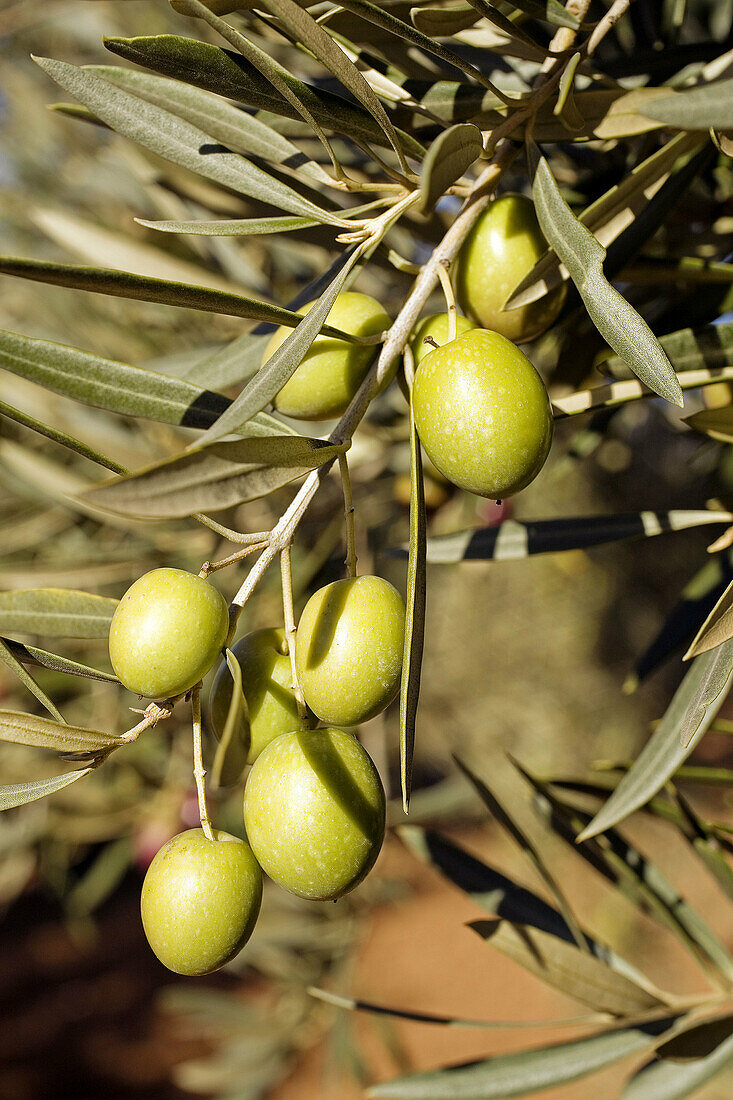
(20, 794)
(674, 1080)
(617, 321)
(41, 733)
(214, 477)
(688, 717)
(10, 660)
(56, 612)
(448, 158)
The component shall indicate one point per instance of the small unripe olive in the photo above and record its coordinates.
(502, 247)
(167, 632)
(200, 901)
(348, 651)
(483, 414)
(332, 370)
(267, 680)
(437, 326)
(314, 811)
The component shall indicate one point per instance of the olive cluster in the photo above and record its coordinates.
(314, 805)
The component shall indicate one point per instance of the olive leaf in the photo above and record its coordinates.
(11, 661)
(233, 127)
(285, 360)
(232, 227)
(448, 158)
(617, 321)
(120, 387)
(19, 794)
(56, 612)
(561, 965)
(670, 1080)
(41, 733)
(59, 437)
(707, 107)
(525, 1071)
(214, 477)
(229, 74)
(31, 655)
(608, 216)
(444, 22)
(515, 539)
(174, 139)
(717, 423)
(552, 11)
(237, 717)
(414, 618)
(687, 719)
(717, 628)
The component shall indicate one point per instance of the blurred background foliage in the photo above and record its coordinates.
(534, 653)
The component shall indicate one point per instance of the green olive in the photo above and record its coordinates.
(267, 680)
(502, 247)
(166, 632)
(483, 414)
(348, 651)
(200, 901)
(435, 325)
(314, 812)
(332, 370)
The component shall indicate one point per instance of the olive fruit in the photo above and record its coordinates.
(267, 680)
(435, 325)
(332, 370)
(483, 414)
(166, 632)
(348, 650)
(200, 901)
(314, 812)
(502, 247)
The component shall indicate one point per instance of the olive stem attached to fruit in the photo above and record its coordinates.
(286, 574)
(349, 515)
(199, 772)
(151, 716)
(450, 298)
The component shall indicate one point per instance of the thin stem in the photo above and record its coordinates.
(290, 632)
(242, 538)
(348, 514)
(450, 299)
(212, 566)
(199, 772)
(151, 716)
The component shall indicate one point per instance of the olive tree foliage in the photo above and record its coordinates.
(388, 129)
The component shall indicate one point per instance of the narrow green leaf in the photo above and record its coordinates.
(230, 757)
(551, 11)
(171, 137)
(707, 107)
(41, 733)
(56, 612)
(449, 156)
(526, 1071)
(283, 363)
(513, 540)
(498, 895)
(717, 628)
(696, 1039)
(122, 284)
(507, 789)
(214, 477)
(608, 216)
(444, 22)
(229, 74)
(688, 717)
(617, 321)
(31, 655)
(61, 438)
(232, 227)
(231, 365)
(11, 661)
(239, 131)
(119, 387)
(561, 965)
(19, 794)
(666, 1080)
(717, 423)
(309, 33)
(415, 617)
